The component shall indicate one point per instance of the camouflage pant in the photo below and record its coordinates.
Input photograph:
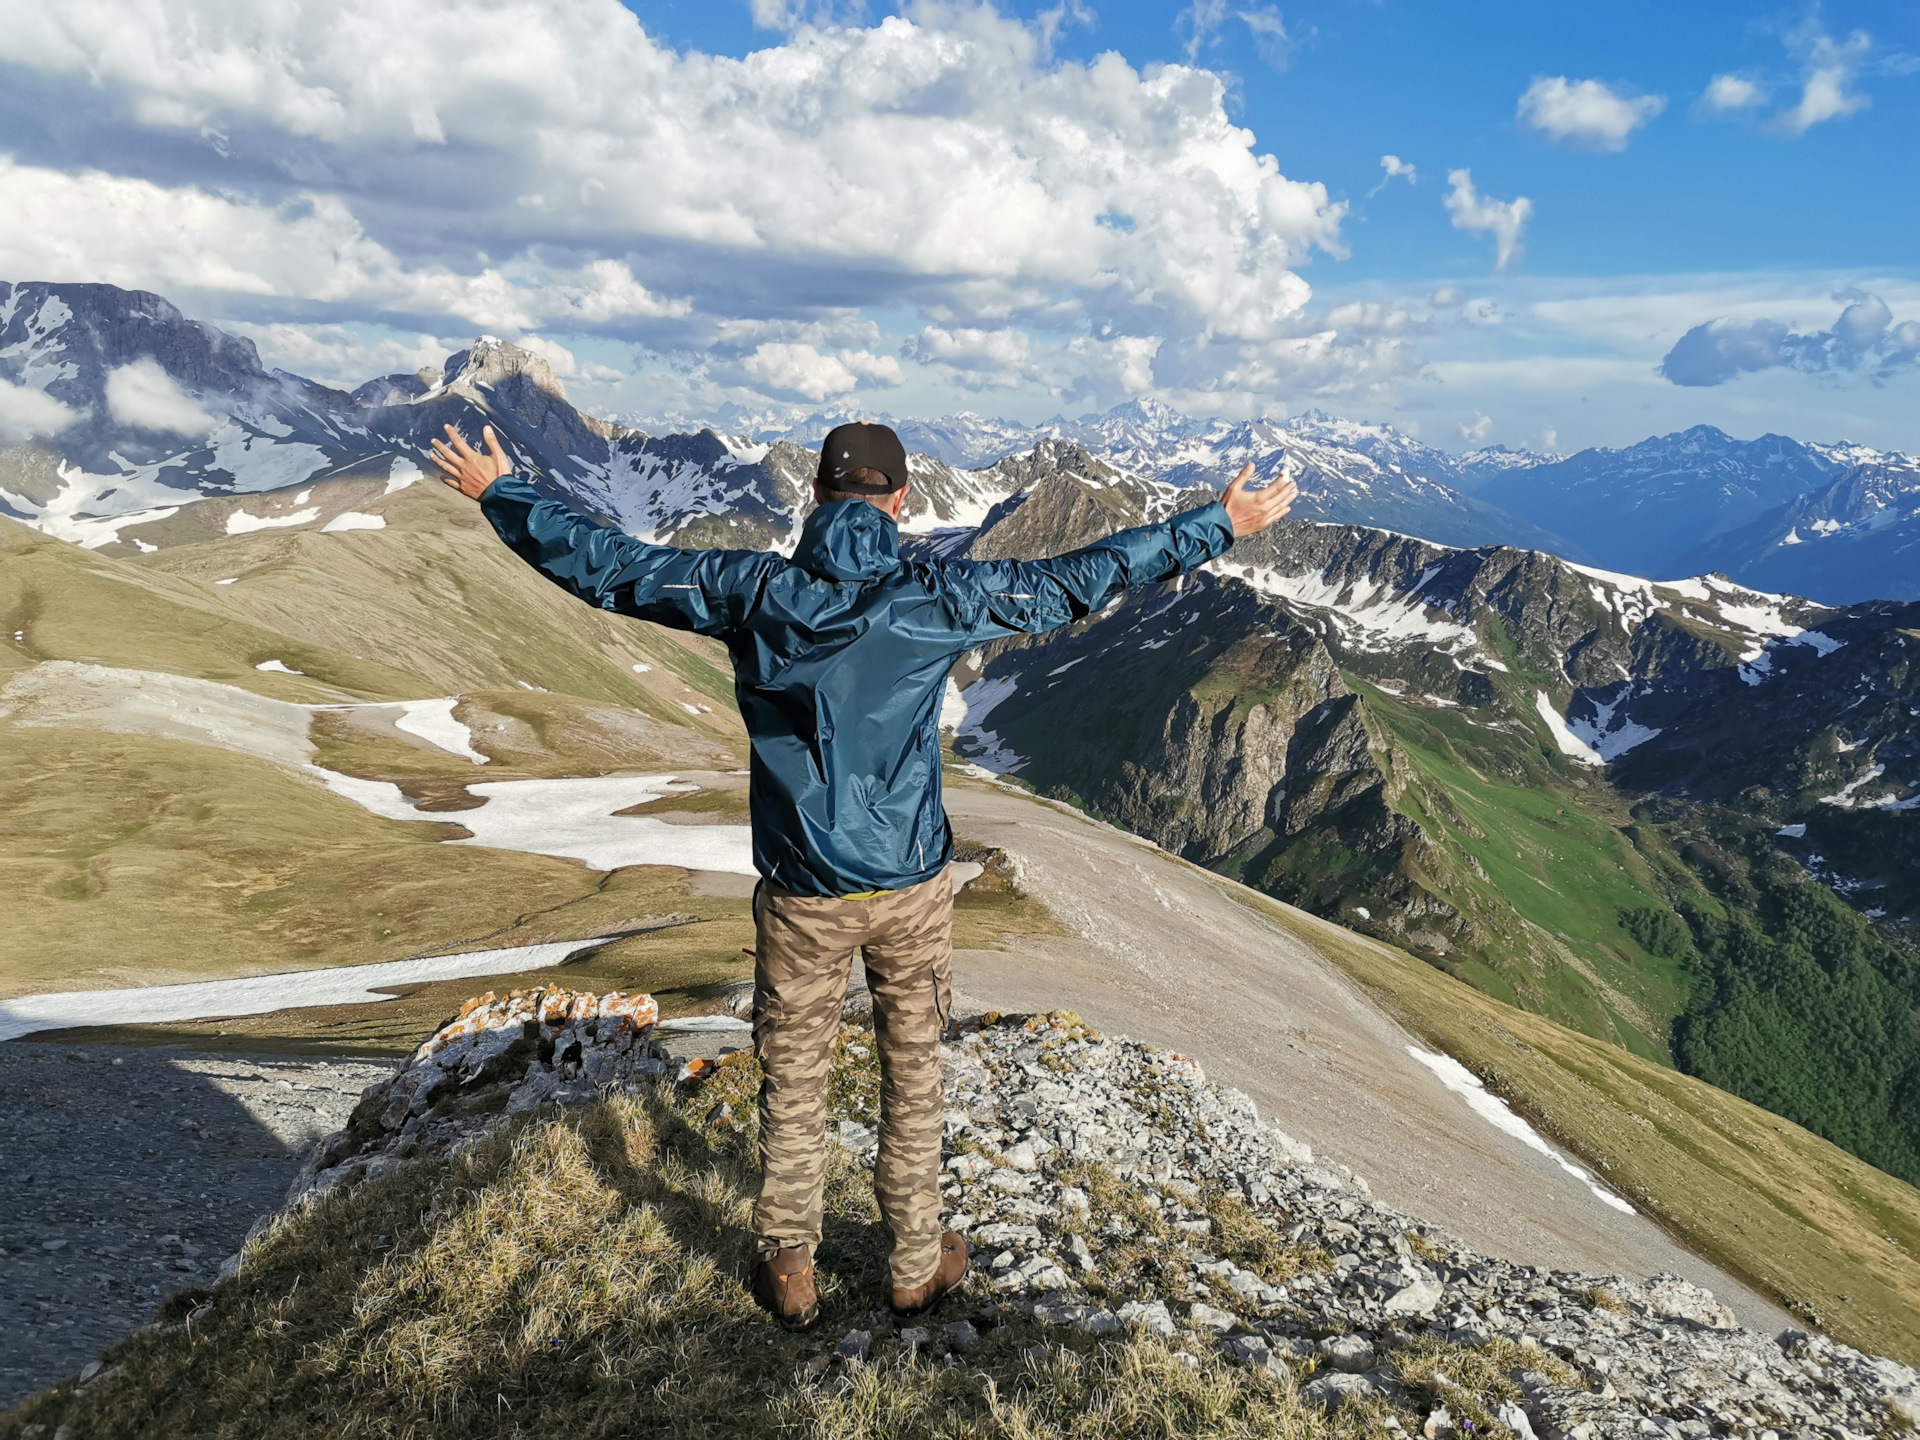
(800, 983)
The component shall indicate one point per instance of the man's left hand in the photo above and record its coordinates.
(465, 468)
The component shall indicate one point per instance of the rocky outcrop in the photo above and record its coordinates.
(1072, 1154)
(499, 1057)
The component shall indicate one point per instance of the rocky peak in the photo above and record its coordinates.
(490, 362)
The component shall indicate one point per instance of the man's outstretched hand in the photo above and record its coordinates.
(1251, 511)
(466, 469)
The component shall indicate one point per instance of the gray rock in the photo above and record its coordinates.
(1516, 1420)
(1330, 1392)
(853, 1345)
(962, 1334)
(1206, 1317)
(1419, 1298)
(1150, 1316)
(1349, 1353)
(1253, 1350)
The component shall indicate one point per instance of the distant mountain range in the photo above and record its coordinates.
(123, 409)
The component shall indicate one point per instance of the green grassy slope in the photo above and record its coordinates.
(1552, 866)
(1832, 1238)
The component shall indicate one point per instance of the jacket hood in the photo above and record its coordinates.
(848, 540)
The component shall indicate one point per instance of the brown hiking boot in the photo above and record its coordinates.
(783, 1287)
(947, 1274)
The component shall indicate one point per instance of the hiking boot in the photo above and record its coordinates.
(783, 1287)
(947, 1274)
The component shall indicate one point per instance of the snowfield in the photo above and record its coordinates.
(263, 994)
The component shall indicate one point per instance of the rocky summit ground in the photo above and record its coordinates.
(1136, 1231)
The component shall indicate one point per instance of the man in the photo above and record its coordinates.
(840, 660)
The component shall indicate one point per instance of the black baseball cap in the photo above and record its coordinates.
(861, 446)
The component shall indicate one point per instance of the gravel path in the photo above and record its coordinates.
(131, 1173)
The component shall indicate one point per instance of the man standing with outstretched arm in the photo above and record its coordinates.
(840, 659)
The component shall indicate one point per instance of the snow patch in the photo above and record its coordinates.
(1602, 735)
(433, 722)
(1570, 744)
(1491, 1108)
(1793, 832)
(1370, 616)
(258, 462)
(570, 819)
(241, 523)
(354, 520)
(263, 994)
(278, 667)
(402, 474)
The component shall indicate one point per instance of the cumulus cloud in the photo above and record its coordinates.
(146, 397)
(568, 366)
(799, 369)
(1586, 112)
(520, 165)
(980, 359)
(1728, 94)
(91, 226)
(1502, 219)
(1864, 340)
(29, 414)
(1476, 429)
(1392, 168)
(1829, 68)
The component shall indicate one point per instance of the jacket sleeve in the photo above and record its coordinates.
(1005, 597)
(711, 591)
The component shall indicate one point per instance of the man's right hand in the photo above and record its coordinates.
(464, 468)
(1252, 511)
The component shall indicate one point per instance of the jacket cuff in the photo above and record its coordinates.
(1209, 526)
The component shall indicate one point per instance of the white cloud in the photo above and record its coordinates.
(1203, 20)
(568, 366)
(1863, 339)
(1828, 70)
(521, 165)
(1586, 112)
(341, 355)
(27, 413)
(97, 227)
(1392, 167)
(981, 359)
(1502, 219)
(799, 369)
(1726, 94)
(146, 397)
(1476, 430)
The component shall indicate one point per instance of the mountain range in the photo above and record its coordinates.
(121, 407)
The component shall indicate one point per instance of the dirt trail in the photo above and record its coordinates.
(1161, 953)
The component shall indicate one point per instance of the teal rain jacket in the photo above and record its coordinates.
(840, 658)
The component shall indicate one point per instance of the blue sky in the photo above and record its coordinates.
(1605, 221)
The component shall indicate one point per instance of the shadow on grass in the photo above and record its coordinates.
(587, 1274)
